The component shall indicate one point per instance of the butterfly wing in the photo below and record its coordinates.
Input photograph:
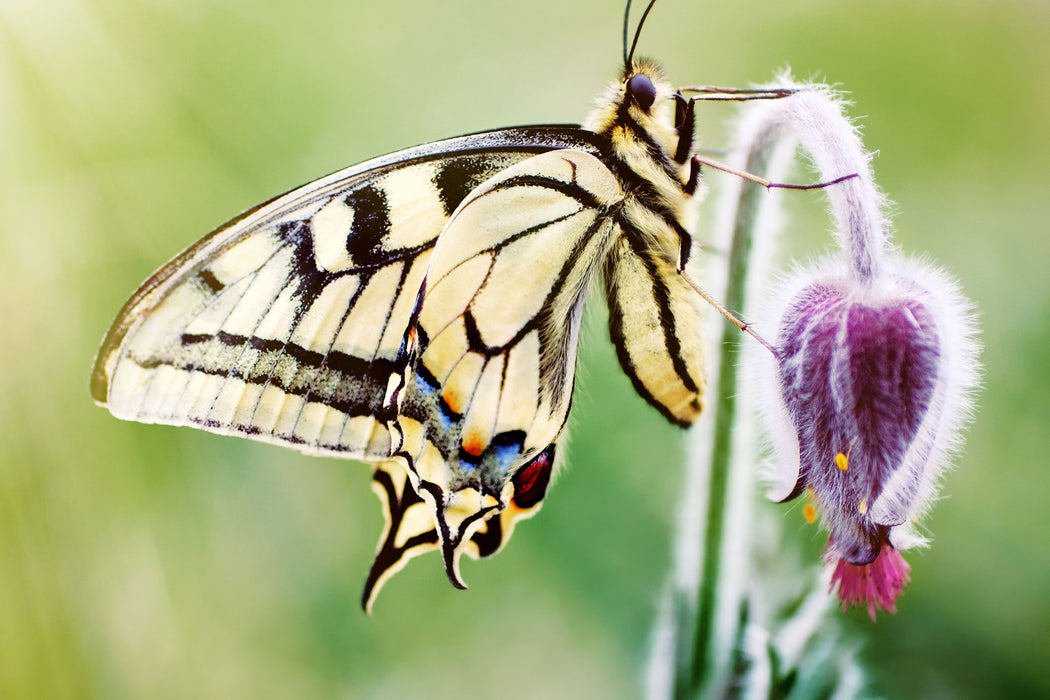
(284, 324)
(490, 358)
(655, 324)
(410, 530)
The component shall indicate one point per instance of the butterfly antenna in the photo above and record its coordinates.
(626, 19)
(637, 32)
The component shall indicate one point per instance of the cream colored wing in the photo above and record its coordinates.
(491, 356)
(410, 528)
(284, 324)
(655, 324)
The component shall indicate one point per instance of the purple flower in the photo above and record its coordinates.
(874, 371)
(857, 376)
(873, 380)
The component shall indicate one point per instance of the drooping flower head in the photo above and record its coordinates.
(863, 380)
(875, 367)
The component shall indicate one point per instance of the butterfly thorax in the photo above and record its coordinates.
(647, 154)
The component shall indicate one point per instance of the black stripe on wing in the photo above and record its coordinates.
(367, 378)
(390, 556)
(451, 182)
(655, 327)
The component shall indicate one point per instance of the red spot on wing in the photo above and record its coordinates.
(531, 481)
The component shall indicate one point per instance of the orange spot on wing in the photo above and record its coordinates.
(452, 400)
(473, 444)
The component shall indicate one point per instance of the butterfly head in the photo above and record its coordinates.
(640, 112)
(641, 91)
(650, 145)
(638, 107)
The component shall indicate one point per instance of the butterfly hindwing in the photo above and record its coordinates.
(654, 321)
(409, 528)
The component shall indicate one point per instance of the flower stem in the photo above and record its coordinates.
(724, 465)
(725, 543)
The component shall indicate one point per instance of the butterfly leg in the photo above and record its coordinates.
(690, 187)
(685, 123)
(685, 109)
(732, 318)
(698, 161)
(723, 94)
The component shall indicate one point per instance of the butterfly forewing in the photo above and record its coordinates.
(284, 324)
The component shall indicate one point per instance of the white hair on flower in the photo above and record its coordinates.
(866, 319)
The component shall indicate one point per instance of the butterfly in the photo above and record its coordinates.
(421, 311)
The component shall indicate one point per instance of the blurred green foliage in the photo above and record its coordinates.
(142, 561)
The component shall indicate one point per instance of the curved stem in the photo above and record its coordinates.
(715, 588)
(813, 117)
(725, 547)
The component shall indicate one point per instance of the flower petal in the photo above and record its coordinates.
(877, 584)
(857, 376)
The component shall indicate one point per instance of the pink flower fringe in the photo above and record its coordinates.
(878, 584)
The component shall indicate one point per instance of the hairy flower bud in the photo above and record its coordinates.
(873, 383)
(874, 370)
(857, 376)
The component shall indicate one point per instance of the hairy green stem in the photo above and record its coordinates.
(720, 598)
(724, 632)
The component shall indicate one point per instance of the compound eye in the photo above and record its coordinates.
(642, 90)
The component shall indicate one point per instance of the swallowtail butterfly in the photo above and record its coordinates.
(421, 311)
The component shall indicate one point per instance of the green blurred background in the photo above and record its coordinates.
(144, 561)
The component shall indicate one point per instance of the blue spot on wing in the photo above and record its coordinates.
(505, 456)
(504, 452)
